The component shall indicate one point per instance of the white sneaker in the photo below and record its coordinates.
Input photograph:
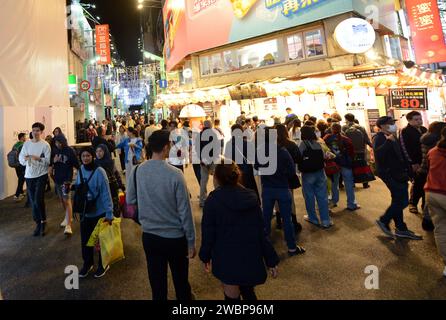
(68, 230)
(64, 223)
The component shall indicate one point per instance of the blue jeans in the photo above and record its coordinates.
(36, 192)
(349, 182)
(400, 201)
(283, 197)
(314, 188)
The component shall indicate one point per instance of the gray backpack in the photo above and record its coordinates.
(357, 136)
(13, 158)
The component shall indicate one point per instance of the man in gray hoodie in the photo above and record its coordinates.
(165, 213)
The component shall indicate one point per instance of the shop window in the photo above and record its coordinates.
(314, 43)
(295, 47)
(260, 55)
(231, 61)
(216, 63)
(204, 66)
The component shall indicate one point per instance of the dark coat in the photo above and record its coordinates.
(234, 238)
(389, 158)
(410, 138)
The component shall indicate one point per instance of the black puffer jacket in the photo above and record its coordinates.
(234, 238)
(428, 141)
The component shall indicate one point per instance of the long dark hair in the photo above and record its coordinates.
(282, 135)
(436, 127)
(442, 143)
(228, 174)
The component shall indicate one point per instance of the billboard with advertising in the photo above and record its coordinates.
(196, 25)
(427, 31)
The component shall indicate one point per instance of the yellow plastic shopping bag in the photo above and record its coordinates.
(112, 249)
(94, 238)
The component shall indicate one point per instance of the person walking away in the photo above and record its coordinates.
(283, 140)
(207, 155)
(99, 193)
(311, 164)
(120, 137)
(19, 169)
(105, 161)
(295, 131)
(63, 160)
(132, 146)
(240, 157)
(247, 130)
(393, 169)
(179, 153)
(239, 260)
(342, 147)
(36, 156)
(428, 141)
(150, 130)
(436, 193)
(410, 139)
(360, 140)
(166, 219)
(220, 134)
(275, 187)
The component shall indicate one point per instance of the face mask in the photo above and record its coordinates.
(393, 128)
(318, 134)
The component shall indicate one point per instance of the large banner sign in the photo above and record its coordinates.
(196, 25)
(103, 44)
(427, 32)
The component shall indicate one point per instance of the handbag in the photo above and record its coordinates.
(331, 167)
(131, 210)
(294, 182)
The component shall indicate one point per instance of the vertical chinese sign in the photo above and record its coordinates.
(427, 33)
(103, 44)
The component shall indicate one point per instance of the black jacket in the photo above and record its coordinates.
(410, 143)
(234, 238)
(389, 158)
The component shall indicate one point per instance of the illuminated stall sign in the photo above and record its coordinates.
(370, 73)
(409, 98)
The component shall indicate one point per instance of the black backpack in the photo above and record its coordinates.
(312, 159)
(81, 204)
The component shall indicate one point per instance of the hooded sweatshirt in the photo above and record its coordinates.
(233, 237)
(63, 161)
(436, 178)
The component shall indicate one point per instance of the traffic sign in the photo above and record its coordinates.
(163, 84)
(85, 85)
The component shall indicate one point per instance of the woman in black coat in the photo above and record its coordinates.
(233, 236)
(241, 157)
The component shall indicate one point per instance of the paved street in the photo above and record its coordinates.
(332, 268)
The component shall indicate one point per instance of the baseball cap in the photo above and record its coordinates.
(385, 120)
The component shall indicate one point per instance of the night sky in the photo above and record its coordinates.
(124, 20)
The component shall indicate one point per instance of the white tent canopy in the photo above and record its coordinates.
(192, 111)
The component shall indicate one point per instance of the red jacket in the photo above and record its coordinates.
(436, 179)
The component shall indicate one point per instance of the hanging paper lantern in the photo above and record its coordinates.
(346, 85)
(298, 90)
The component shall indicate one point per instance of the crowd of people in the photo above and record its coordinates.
(320, 156)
